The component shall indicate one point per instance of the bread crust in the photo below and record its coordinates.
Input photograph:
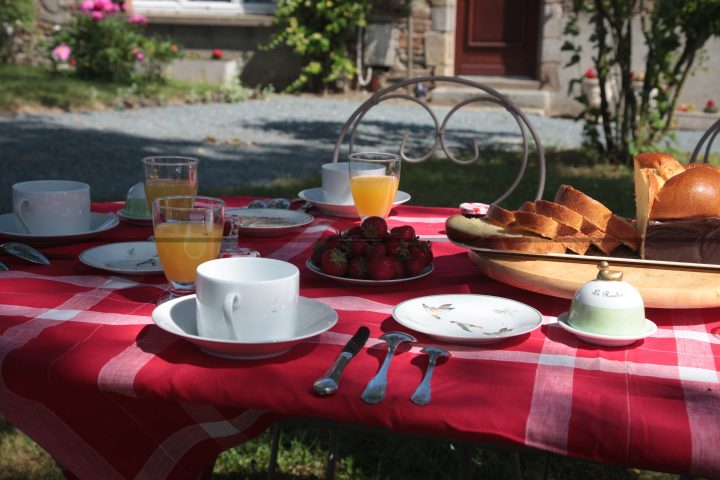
(600, 239)
(695, 193)
(527, 207)
(560, 213)
(664, 165)
(573, 240)
(535, 223)
(593, 211)
(499, 216)
(621, 229)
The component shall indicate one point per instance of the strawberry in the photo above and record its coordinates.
(357, 268)
(376, 250)
(318, 250)
(423, 249)
(374, 227)
(406, 232)
(357, 245)
(381, 268)
(399, 269)
(334, 262)
(414, 266)
(395, 246)
(356, 230)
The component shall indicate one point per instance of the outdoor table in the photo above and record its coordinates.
(89, 377)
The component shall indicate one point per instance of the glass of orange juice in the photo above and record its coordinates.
(374, 179)
(169, 175)
(188, 230)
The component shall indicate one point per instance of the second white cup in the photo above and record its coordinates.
(253, 300)
(52, 207)
(336, 181)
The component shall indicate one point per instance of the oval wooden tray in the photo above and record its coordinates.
(659, 287)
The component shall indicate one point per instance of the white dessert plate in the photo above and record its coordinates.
(177, 316)
(607, 340)
(127, 258)
(268, 222)
(467, 319)
(99, 222)
(345, 210)
(369, 283)
(135, 219)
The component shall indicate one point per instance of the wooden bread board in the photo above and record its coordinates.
(659, 287)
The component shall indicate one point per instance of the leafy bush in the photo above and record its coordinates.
(641, 113)
(107, 45)
(321, 32)
(16, 17)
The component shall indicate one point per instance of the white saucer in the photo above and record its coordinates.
(134, 219)
(607, 340)
(268, 222)
(99, 222)
(368, 283)
(128, 258)
(345, 210)
(177, 316)
(467, 319)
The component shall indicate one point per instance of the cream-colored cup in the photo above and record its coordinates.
(52, 207)
(252, 300)
(336, 181)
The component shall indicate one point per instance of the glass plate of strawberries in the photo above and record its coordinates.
(369, 254)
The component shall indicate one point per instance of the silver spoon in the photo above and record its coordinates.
(26, 252)
(375, 390)
(422, 393)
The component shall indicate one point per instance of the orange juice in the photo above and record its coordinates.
(182, 246)
(164, 188)
(373, 195)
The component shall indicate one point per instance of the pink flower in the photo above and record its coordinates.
(217, 54)
(62, 52)
(139, 19)
(710, 104)
(590, 73)
(140, 56)
(97, 15)
(88, 6)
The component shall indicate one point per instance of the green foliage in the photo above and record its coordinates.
(108, 46)
(321, 32)
(16, 17)
(641, 112)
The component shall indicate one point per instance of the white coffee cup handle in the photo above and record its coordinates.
(229, 307)
(23, 203)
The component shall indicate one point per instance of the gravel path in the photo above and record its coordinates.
(249, 142)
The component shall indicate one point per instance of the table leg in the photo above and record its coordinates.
(274, 447)
(464, 462)
(332, 454)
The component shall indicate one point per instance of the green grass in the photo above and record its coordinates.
(365, 456)
(32, 87)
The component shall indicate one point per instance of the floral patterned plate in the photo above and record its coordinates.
(469, 319)
(126, 258)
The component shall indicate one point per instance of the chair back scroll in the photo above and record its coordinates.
(709, 137)
(486, 94)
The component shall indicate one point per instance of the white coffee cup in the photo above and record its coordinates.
(52, 207)
(336, 181)
(253, 300)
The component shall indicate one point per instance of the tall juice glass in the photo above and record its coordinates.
(170, 175)
(188, 231)
(374, 194)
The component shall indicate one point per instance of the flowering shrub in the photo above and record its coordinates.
(590, 73)
(16, 22)
(217, 54)
(105, 44)
(710, 107)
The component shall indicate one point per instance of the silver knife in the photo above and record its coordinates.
(328, 383)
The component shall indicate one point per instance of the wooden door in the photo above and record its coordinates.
(497, 37)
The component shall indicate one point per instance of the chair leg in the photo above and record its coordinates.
(516, 466)
(274, 447)
(464, 462)
(332, 454)
(546, 467)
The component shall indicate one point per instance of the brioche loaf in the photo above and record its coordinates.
(535, 223)
(694, 193)
(476, 232)
(559, 213)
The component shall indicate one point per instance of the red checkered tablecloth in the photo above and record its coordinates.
(87, 375)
